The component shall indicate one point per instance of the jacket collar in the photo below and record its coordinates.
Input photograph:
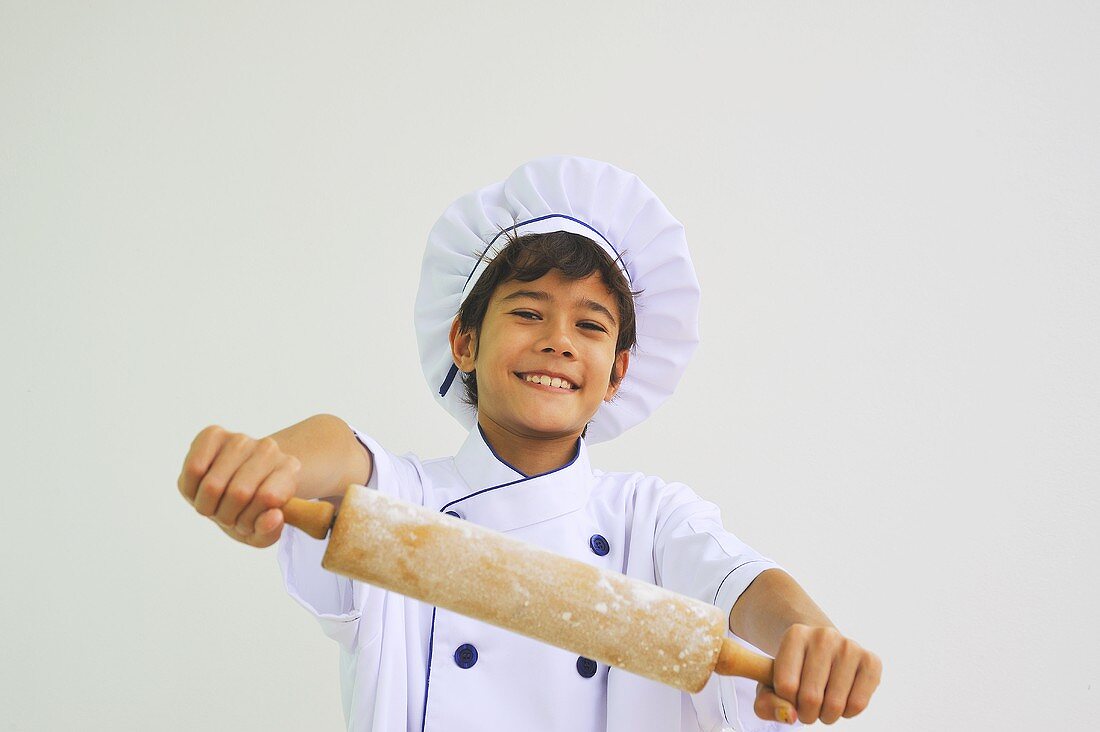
(502, 498)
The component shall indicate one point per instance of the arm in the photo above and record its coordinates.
(770, 606)
(330, 455)
(241, 483)
(824, 674)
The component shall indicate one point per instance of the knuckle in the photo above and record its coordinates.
(811, 699)
(267, 446)
(211, 487)
(832, 709)
(798, 630)
(856, 704)
(208, 432)
(271, 498)
(825, 638)
(293, 464)
(239, 440)
(192, 468)
(239, 492)
(786, 686)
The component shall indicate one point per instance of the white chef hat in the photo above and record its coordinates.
(611, 207)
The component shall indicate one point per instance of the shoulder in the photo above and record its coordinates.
(406, 475)
(642, 488)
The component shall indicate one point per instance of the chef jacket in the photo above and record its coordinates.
(406, 666)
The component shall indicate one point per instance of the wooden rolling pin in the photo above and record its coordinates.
(483, 574)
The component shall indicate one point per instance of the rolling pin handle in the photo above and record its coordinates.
(313, 517)
(733, 660)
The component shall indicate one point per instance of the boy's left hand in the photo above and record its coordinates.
(825, 675)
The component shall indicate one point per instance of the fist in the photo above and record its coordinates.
(823, 674)
(239, 482)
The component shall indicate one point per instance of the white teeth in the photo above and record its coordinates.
(554, 381)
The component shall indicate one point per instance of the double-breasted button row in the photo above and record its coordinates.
(597, 543)
(466, 656)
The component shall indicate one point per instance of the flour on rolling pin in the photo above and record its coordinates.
(486, 575)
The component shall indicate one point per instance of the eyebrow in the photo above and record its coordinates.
(543, 296)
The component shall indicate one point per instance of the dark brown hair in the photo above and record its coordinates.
(527, 258)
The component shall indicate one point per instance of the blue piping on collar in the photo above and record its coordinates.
(485, 439)
(489, 445)
(576, 455)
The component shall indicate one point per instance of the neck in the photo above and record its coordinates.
(529, 455)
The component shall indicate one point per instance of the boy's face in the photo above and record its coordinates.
(550, 328)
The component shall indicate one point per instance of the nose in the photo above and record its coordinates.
(555, 339)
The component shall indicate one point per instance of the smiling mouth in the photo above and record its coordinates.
(553, 382)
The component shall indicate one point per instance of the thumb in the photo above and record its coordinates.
(269, 525)
(771, 706)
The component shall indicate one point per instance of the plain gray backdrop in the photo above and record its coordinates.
(214, 213)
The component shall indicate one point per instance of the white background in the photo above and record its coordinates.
(214, 213)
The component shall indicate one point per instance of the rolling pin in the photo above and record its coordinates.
(483, 574)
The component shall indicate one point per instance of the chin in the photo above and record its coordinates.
(548, 428)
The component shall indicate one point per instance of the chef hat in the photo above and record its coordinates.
(611, 207)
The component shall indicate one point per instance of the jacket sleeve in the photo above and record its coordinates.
(696, 556)
(337, 602)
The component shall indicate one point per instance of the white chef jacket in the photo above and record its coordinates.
(406, 666)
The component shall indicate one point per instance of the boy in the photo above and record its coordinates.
(571, 325)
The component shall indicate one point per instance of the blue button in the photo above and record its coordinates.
(599, 545)
(456, 514)
(586, 667)
(466, 655)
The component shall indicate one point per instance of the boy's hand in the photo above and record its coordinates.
(825, 675)
(240, 483)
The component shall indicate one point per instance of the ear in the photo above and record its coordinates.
(462, 347)
(618, 371)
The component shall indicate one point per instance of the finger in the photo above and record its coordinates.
(840, 682)
(204, 448)
(771, 707)
(269, 526)
(868, 676)
(232, 455)
(276, 489)
(787, 667)
(263, 459)
(816, 669)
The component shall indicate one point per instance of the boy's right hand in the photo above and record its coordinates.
(239, 482)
